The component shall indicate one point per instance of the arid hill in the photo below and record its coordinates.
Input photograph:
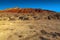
(29, 24)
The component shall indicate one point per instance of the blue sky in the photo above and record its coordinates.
(53, 5)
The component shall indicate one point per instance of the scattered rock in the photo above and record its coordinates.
(43, 38)
(49, 18)
(20, 18)
(19, 36)
(58, 34)
(26, 18)
(53, 34)
(11, 18)
(43, 32)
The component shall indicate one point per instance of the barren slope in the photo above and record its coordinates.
(29, 24)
